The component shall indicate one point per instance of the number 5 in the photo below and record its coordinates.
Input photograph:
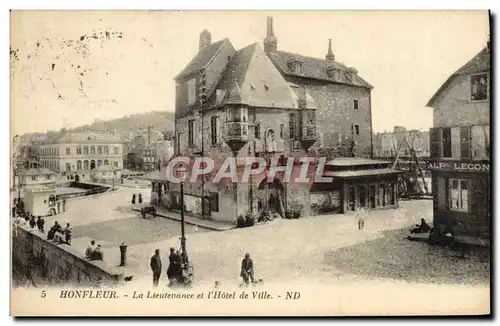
(44, 294)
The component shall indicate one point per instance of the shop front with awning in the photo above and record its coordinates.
(356, 183)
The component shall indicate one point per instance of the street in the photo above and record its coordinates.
(314, 247)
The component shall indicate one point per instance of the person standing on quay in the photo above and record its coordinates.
(156, 267)
(58, 207)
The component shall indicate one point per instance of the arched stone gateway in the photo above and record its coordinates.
(271, 196)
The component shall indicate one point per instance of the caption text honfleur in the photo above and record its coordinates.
(210, 295)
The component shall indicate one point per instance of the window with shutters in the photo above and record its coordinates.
(446, 141)
(465, 142)
(213, 129)
(479, 141)
(191, 132)
(356, 104)
(459, 195)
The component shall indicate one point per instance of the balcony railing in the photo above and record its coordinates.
(237, 131)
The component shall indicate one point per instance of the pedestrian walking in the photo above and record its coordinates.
(140, 199)
(58, 207)
(64, 205)
(247, 269)
(133, 199)
(361, 217)
(155, 265)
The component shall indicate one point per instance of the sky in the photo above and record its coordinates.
(69, 68)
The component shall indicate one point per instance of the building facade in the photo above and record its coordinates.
(75, 154)
(460, 149)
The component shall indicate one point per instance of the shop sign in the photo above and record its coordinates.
(458, 166)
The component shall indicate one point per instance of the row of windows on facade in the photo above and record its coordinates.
(310, 131)
(464, 142)
(80, 150)
(191, 94)
(80, 165)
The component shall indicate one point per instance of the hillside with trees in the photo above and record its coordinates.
(160, 120)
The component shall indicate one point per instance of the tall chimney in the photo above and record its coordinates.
(330, 56)
(270, 42)
(205, 39)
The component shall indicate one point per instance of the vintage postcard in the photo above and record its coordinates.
(246, 163)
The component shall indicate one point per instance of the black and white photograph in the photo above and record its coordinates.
(250, 163)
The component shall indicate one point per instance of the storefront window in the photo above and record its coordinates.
(459, 195)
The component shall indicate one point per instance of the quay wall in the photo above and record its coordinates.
(59, 264)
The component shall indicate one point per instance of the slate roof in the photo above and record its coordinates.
(87, 137)
(252, 79)
(202, 58)
(480, 63)
(361, 173)
(315, 68)
(354, 161)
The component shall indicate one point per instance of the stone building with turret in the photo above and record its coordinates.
(275, 105)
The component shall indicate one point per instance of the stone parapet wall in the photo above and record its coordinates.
(59, 263)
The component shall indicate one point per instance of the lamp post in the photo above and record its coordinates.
(181, 172)
(114, 173)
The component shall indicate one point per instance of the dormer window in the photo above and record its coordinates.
(295, 66)
(334, 73)
(191, 91)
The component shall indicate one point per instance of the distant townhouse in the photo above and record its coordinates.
(75, 154)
